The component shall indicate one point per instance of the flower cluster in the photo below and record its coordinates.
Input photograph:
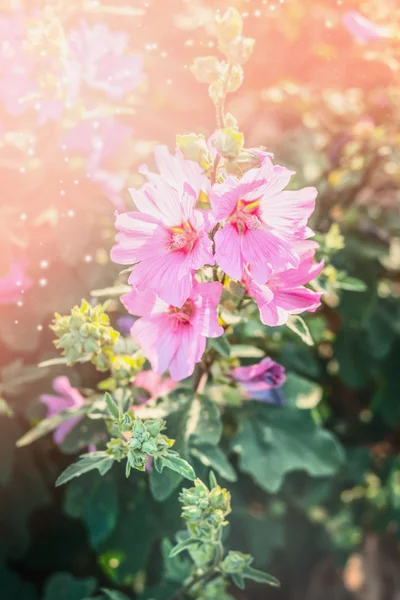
(255, 232)
(85, 334)
(214, 208)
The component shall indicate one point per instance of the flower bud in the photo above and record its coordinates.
(194, 147)
(235, 78)
(206, 69)
(239, 50)
(229, 26)
(228, 143)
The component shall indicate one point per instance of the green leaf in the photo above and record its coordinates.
(87, 462)
(296, 324)
(237, 579)
(176, 463)
(114, 594)
(260, 576)
(175, 569)
(112, 406)
(245, 351)
(181, 546)
(163, 484)
(300, 392)
(272, 442)
(221, 345)
(190, 421)
(14, 587)
(94, 500)
(64, 586)
(351, 283)
(48, 425)
(214, 458)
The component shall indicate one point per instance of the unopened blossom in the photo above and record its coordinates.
(171, 337)
(66, 397)
(261, 381)
(167, 237)
(261, 221)
(14, 283)
(362, 29)
(284, 292)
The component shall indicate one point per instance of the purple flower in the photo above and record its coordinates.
(261, 381)
(67, 397)
(124, 324)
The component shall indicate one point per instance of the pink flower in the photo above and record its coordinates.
(67, 397)
(260, 381)
(167, 237)
(98, 58)
(362, 29)
(176, 170)
(175, 338)
(283, 293)
(98, 140)
(262, 220)
(13, 284)
(154, 384)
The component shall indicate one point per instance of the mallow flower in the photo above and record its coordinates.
(167, 237)
(261, 381)
(154, 384)
(172, 337)
(14, 283)
(261, 221)
(176, 170)
(66, 397)
(283, 293)
(362, 29)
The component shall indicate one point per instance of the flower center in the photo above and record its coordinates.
(184, 314)
(245, 216)
(183, 237)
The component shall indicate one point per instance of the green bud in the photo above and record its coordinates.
(85, 335)
(228, 143)
(194, 147)
(206, 69)
(234, 78)
(239, 50)
(236, 562)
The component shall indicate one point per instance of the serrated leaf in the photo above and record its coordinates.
(112, 406)
(296, 324)
(179, 465)
(273, 441)
(87, 462)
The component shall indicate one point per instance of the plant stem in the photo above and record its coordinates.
(180, 595)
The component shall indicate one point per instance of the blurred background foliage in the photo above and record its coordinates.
(328, 107)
